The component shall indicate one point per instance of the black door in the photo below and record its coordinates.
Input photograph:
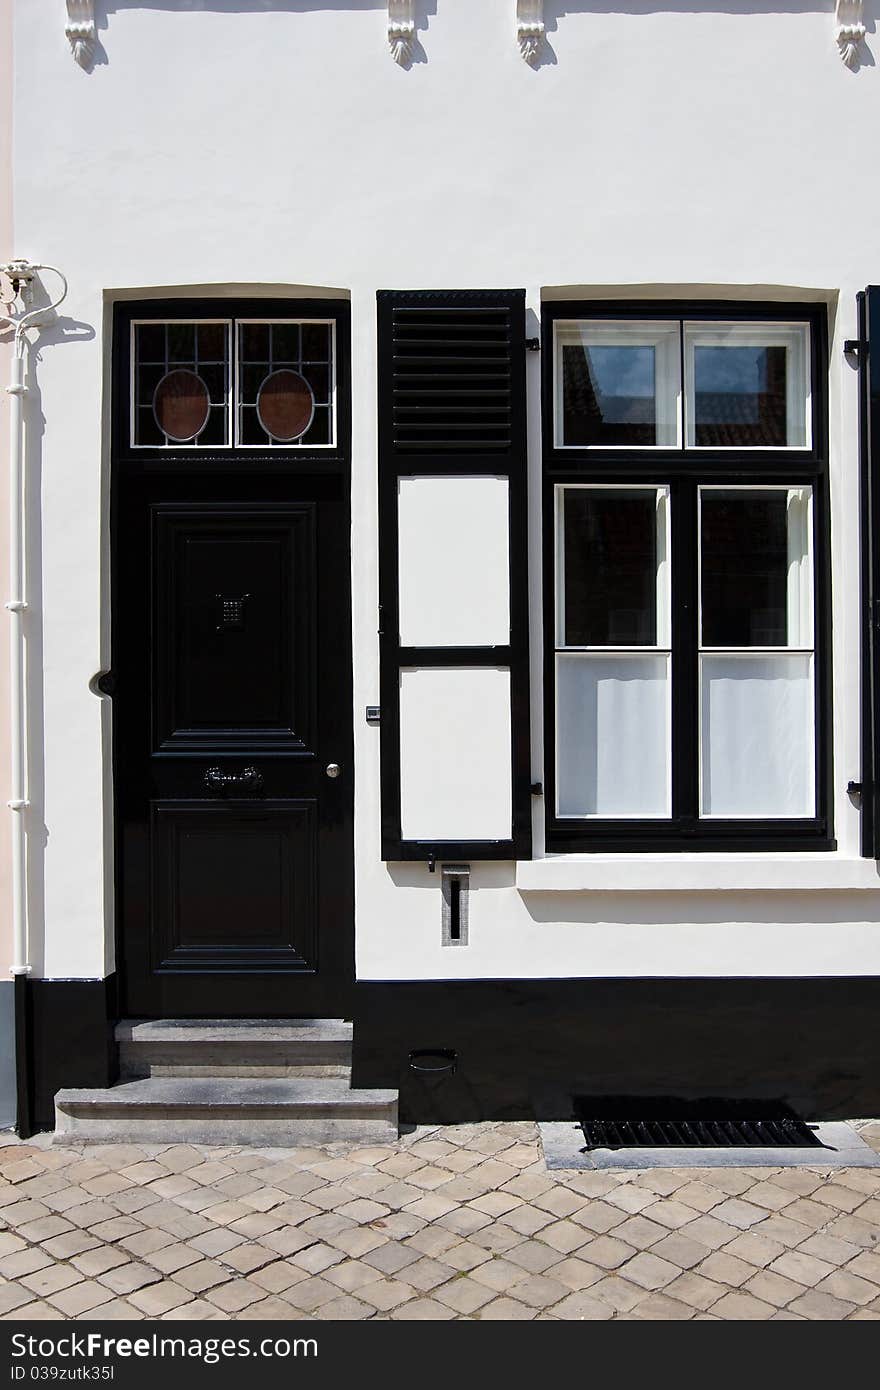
(232, 715)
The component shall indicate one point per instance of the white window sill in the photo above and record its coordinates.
(705, 873)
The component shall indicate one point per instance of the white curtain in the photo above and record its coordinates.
(613, 739)
(757, 735)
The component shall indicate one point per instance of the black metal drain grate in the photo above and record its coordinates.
(637, 1123)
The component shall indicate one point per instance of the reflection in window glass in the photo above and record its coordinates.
(610, 567)
(617, 384)
(739, 396)
(608, 395)
(754, 563)
(747, 386)
(744, 570)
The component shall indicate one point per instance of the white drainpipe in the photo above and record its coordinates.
(21, 273)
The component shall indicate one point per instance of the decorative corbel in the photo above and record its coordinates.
(850, 29)
(81, 30)
(401, 29)
(530, 28)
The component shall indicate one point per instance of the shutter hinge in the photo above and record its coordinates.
(373, 714)
(855, 347)
(533, 344)
(854, 789)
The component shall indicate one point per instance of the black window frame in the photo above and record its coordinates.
(684, 470)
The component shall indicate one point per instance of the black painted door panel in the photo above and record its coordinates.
(234, 627)
(232, 664)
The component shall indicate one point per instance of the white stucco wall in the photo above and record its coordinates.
(252, 150)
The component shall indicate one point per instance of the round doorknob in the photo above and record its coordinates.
(333, 769)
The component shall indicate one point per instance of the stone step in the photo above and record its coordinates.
(202, 1047)
(253, 1111)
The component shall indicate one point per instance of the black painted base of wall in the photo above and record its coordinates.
(7, 1054)
(68, 1041)
(524, 1047)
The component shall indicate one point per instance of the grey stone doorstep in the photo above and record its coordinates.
(563, 1146)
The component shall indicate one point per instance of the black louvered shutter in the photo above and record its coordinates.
(869, 379)
(452, 422)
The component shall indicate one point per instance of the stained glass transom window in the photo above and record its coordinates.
(246, 383)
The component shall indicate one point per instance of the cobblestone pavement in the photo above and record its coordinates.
(452, 1222)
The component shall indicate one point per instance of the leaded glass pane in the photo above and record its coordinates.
(285, 384)
(181, 384)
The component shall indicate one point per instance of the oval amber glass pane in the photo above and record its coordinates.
(285, 405)
(181, 405)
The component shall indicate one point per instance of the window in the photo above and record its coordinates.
(685, 535)
(247, 383)
(617, 384)
(613, 652)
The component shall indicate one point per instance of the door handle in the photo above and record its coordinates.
(250, 779)
(333, 770)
